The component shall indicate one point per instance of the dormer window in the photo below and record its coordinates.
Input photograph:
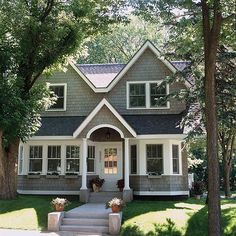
(60, 91)
(147, 95)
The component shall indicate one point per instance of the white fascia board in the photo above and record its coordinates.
(96, 110)
(51, 138)
(161, 193)
(146, 45)
(162, 136)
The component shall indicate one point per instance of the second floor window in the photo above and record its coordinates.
(54, 158)
(147, 95)
(154, 154)
(137, 95)
(35, 158)
(60, 91)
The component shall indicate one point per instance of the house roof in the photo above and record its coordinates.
(101, 75)
(142, 124)
(102, 78)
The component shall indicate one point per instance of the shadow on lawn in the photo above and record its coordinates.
(41, 205)
(167, 229)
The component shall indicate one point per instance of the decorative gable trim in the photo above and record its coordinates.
(146, 45)
(104, 102)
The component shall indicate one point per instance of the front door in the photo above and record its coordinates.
(111, 165)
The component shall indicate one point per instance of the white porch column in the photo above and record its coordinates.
(126, 187)
(84, 164)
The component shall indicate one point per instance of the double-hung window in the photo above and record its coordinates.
(133, 159)
(147, 95)
(72, 158)
(35, 158)
(175, 158)
(137, 95)
(91, 158)
(157, 95)
(154, 153)
(60, 92)
(54, 159)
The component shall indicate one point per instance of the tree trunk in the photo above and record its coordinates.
(8, 169)
(211, 32)
(227, 169)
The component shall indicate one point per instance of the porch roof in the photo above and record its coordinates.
(142, 124)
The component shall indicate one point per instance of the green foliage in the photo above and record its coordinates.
(37, 36)
(121, 42)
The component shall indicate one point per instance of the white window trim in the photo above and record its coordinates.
(147, 94)
(34, 145)
(180, 158)
(59, 172)
(65, 96)
(65, 159)
(94, 160)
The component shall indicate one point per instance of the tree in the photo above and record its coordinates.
(207, 22)
(37, 35)
(121, 42)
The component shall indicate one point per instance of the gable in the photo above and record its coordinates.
(104, 114)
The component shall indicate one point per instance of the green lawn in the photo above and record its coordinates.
(140, 218)
(175, 218)
(28, 212)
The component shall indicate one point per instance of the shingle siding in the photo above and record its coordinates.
(81, 99)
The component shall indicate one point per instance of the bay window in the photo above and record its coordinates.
(154, 154)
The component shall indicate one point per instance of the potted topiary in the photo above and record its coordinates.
(59, 203)
(198, 189)
(116, 204)
(120, 184)
(96, 184)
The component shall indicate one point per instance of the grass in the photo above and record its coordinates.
(28, 212)
(174, 218)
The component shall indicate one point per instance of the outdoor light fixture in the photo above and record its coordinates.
(108, 134)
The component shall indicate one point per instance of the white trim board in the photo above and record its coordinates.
(161, 193)
(146, 45)
(41, 192)
(104, 102)
(51, 138)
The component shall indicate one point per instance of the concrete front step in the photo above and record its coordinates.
(91, 215)
(103, 197)
(85, 221)
(79, 228)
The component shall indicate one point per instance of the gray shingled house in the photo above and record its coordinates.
(107, 122)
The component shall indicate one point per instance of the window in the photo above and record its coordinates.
(21, 160)
(175, 158)
(110, 161)
(147, 95)
(35, 158)
(60, 91)
(91, 158)
(157, 93)
(154, 154)
(54, 158)
(72, 158)
(137, 95)
(133, 158)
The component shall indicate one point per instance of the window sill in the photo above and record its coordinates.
(52, 176)
(33, 176)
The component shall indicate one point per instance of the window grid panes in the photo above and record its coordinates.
(110, 161)
(35, 158)
(137, 95)
(54, 158)
(175, 158)
(59, 92)
(133, 157)
(91, 159)
(156, 94)
(154, 154)
(72, 158)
